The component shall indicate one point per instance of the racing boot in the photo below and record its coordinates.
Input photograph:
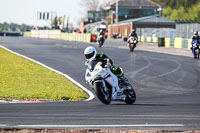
(123, 80)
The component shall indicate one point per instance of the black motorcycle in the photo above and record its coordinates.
(101, 40)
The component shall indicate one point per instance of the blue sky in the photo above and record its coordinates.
(25, 11)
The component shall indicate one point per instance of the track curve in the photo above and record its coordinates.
(167, 88)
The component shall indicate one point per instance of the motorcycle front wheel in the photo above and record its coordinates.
(130, 96)
(104, 96)
(100, 44)
(132, 47)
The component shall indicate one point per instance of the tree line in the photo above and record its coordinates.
(12, 27)
(181, 10)
(174, 4)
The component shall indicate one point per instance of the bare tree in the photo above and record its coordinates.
(91, 5)
(104, 4)
(94, 4)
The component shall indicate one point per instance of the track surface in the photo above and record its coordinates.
(167, 88)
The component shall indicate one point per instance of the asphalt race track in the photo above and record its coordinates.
(167, 88)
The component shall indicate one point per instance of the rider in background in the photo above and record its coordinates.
(132, 34)
(92, 55)
(100, 33)
(196, 38)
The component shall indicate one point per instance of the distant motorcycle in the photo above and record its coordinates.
(195, 49)
(132, 43)
(106, 85)
(101, 40)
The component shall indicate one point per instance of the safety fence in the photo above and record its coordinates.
(183, 30)
(76, 37)
(167, 42)
(57, 34)
(156, 32)
(27, 34)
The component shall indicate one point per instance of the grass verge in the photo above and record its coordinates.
(23, 79)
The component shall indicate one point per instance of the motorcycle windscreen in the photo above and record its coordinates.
(91, 65)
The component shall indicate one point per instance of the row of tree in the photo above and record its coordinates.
(175, 4)
(12, 27)
(182, 14)
(182, 10)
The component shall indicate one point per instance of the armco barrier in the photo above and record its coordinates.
(43, 34)
(27, 34)
(172, 41)
(142, 39)
(178, 43)
(189, 43)
(46, 34)
(184, 43)
(168, 42)
(56, 34)
(35, 33)
(76, 37)
(149, 39)
(155, 39)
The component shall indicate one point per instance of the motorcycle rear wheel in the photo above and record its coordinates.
(101, 94)
(198, 52)
(132, 47)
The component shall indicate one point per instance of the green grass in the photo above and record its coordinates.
(23, 79)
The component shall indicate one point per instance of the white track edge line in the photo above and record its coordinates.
(91, 95)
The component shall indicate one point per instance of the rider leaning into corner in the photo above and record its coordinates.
(197, 38)
(92, 55)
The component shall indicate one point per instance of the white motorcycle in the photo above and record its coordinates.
(132, 43)
(106, 85)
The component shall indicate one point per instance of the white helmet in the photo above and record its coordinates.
(90, 53)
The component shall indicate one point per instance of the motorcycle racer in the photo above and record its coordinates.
(92, 55)
(195, 36)
(101, 37)
(101, 33)
(132, 34)
(195, 42)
